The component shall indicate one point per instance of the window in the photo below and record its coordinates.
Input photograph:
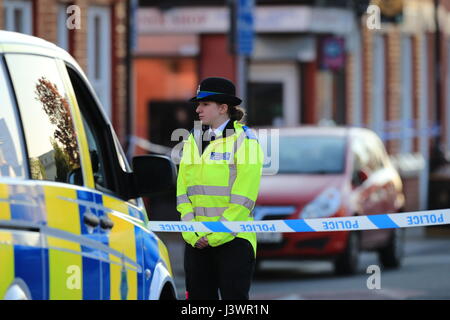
(63, 31)
(407, 124)
(311, 155)
(266, 103)
(11, 148)
(45, 111)
(108, 167)
(376, 152)
(362, 155)
(95, 152)
(18, 16)
(357, 167)
(99, 54)
(378, 86)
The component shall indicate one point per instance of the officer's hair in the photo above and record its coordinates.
(236, 113)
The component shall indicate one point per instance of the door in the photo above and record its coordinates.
(20, 245)
(374, 193)
(274, 94)
(122, 267)
(52, 200)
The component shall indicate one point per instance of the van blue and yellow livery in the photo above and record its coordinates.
(72, 223)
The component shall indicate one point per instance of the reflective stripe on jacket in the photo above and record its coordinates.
(221, 184)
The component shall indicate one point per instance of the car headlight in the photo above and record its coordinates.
(325, 205)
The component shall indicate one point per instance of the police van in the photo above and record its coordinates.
(72, 223)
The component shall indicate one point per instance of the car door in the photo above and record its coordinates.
(22, 267)
(372, 194)
(122, 269)
(52, 200)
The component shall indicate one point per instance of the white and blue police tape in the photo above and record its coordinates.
(370, 222)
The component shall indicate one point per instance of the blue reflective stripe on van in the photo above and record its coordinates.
(91, 267)
(26, 204)
(138, 232)
(105, 266)
(30, 267)
(46, 266)
(30, 262)
(151, 258)
(139, 238)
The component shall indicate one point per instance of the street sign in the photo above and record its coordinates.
(245, 26)
(242, 26)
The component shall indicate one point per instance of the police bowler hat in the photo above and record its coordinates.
(217, 89)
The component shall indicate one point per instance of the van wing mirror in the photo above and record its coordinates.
(153, 175)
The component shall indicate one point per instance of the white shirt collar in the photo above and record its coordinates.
(219, 130)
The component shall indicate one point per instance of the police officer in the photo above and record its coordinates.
(218, 180)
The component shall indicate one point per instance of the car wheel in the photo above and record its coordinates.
(347, 262)
(391, 255)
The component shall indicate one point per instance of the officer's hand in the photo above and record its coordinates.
(202, 243)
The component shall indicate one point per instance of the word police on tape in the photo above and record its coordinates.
(370, 222)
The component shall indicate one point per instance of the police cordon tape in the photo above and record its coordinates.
(353, 223)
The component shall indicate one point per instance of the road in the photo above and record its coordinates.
(424, 274)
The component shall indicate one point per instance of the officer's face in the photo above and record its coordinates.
(211, 112)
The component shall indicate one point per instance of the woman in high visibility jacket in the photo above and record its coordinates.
(218, 180)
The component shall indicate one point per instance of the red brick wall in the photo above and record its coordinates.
(215, 59)
(393, 83)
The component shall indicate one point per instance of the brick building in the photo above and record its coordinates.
(99, 45)
(312, 61)
(398, 97)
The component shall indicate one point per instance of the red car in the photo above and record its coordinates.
(329, 172)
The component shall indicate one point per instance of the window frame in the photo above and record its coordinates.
(15, 108)
(119, 180)
(102, 84)
(376, 153)
(20, 118)
(62, 31)
(26, 6)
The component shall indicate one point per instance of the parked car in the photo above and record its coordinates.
(72, 223)
(330, 172)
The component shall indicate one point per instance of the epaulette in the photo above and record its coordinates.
(249, 133)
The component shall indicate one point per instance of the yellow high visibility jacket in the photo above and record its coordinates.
(221, 184)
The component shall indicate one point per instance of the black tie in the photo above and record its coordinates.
(209, 136)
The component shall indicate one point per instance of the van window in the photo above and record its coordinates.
(109, 165)
(99, 138)
(50, 134)
(11, 147)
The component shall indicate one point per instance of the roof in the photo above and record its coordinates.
(16, 38)
(20, 38)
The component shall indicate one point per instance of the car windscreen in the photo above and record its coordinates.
(311, 154)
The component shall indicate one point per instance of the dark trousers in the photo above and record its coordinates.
(228, 268)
